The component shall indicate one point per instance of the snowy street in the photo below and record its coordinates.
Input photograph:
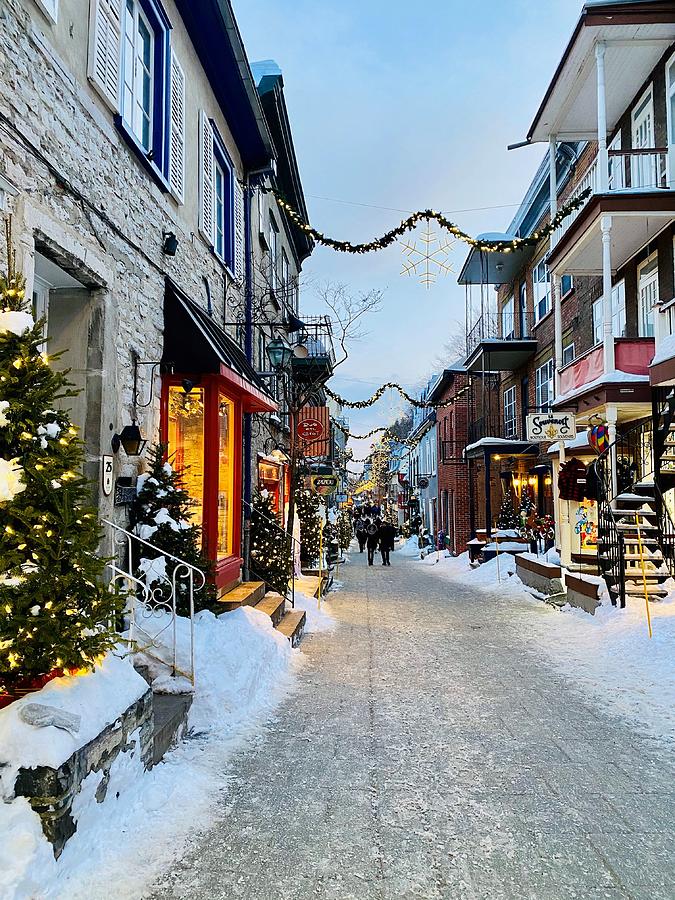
(430, 750)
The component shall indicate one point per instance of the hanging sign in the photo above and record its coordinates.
(551, 426)
(324, 485)
(107, 475)
(310, 429)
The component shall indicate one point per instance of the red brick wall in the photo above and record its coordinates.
(453, 476)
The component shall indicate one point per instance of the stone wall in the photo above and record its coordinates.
(51, 792)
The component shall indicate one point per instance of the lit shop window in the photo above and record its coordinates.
(186, 443)
(225, 475)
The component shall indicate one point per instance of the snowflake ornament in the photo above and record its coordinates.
(426, 258)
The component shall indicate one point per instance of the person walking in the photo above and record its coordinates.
(372, 540)
(387, 540)
(362, 533)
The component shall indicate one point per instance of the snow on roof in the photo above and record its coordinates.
(665, 349)
(614, 377)
(492, 442)
(495, 236)
(264, 67)
(578, 443)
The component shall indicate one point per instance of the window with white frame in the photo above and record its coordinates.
(542, 291)
(262, 348)
(132, 66)
(522, 309)
(285, 273)
(510, 412)
(274, 253)
(670, 110)
(221, 199)
(648, 295)
(568, 354)
(508, 319)
(618, 313)
(544, 386)
(50, 8)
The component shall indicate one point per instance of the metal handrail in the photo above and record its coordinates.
(154, 599)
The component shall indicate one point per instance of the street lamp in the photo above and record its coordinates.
(279, 353)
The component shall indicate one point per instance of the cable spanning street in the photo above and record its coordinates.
(429, 752)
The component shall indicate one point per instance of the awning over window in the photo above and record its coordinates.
(195, 343)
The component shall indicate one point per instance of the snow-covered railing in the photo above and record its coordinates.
(152, 603)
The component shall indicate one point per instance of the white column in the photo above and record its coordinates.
(611, 416)
(557, 324)
(603, 164)
(607, 331)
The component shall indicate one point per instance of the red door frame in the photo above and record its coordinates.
(227, 570)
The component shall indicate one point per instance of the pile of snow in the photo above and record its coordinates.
(317, 619)
(410, 548)
(243, 669)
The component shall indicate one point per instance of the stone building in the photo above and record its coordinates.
(133, 146)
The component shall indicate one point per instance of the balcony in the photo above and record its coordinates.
(500, 342)
(494, 436)
(585, 384)
(313, 352)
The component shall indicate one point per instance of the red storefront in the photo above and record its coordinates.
(207, 387)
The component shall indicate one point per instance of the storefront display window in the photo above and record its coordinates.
(225, 475)
(186, 443)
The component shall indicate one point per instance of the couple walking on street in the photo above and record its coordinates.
(373, 534)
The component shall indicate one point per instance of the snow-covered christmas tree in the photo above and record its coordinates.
(271, 547)
(345, 532)
(307, 506)
(161, 514)
(55, 611)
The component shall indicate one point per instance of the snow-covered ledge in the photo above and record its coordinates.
(99, 717)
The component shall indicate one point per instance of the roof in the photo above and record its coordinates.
(270, 85)
(570, 102)
(194, 343)
(446, 378)
(216, 39)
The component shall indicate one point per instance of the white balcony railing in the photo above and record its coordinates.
(628, 171)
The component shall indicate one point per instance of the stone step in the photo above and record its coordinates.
(248, 593)
(636, 590)
(292, 625)
(632, 526)
(639, 511)
(273, 605)
(170, 712)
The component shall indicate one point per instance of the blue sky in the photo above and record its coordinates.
(402, 106)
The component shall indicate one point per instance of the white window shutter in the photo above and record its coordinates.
(103, 66)
(239, 236)
(177, 140)
(206, 187)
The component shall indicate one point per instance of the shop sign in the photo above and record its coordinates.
(310, 429)
(324, 485)
(551, 426)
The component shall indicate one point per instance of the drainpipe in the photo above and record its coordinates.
(248, 350)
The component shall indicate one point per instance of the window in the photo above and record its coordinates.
(618, 314)
(670, 109)
(544, 386)
(285, 277)
(566, 285)
(226, 465)
(648, 295)
(262, 355)
(542, 291)
(220, 199)
(616, 180)
(274, 254)
(522, 309)
(186, 443)
(510, 412)
(508, 320)
(132, 66)
(568, 354)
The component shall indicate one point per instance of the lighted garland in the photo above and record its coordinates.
(427, 215)
(419, 404)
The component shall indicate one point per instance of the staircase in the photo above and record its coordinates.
(289, 622)
(636, 536)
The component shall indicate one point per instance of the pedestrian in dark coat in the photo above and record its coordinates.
(362, 533)
(372, 540)
(387, 538)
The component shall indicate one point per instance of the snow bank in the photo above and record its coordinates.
(410, 548)
(243, 669)
(317, 619)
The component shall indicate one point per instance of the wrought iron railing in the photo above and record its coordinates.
(151, 613)
(501, 325)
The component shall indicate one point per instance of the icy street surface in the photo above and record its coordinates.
(430, 751)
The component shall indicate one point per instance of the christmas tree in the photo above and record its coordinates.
(507, 518)
(527, 513)
(271, 547)
(55, 611)
(345, 532)
(307, 505)
(160, 514)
